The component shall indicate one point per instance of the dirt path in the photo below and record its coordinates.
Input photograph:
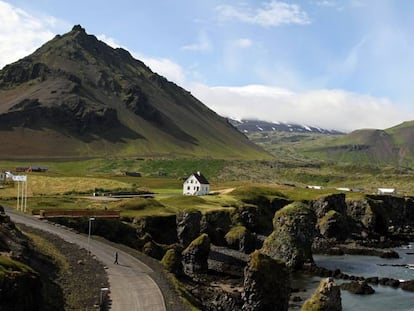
(131, 286)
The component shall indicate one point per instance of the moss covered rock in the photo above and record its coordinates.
(327, 297)
(216, 224)
(291, 239)
(172, 261)
(241, 239)
(266, 284)
(194, 257)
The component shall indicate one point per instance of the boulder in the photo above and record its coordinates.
(327, 297)
(241, 239)
(188, 227)
(195, 256)
(390, 255)
(291, 239)
(407, 285)
(266, 284)
(358, 288)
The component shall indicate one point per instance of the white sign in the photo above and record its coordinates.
(19, 178)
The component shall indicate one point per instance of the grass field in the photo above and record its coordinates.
(69, 184)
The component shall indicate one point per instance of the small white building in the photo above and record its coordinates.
(387, 191)
(196, 184)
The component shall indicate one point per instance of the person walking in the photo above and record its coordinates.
(116, 258)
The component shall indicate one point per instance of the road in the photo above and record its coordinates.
(131, 287)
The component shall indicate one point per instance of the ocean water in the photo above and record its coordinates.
(385, 298)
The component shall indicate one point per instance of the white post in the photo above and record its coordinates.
(18, 195)
(89, 233)
(25, 196)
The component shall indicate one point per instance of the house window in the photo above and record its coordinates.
(198, 188)
(188, 188)
(191, 181)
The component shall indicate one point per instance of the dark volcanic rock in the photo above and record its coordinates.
(358, 288)
(327, 297)
(266, 284)
(291, 240)
(195, 256)
(407, 285)
(334, 202)
(216, 225)
(188, 227)
(241, 239)
(161, 228)
(390, 254)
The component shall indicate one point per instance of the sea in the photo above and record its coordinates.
(385, 298)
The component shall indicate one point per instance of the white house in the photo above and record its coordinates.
(388, 191)
(196, 184)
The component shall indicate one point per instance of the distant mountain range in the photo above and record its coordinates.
(251, 126)
(77, 97)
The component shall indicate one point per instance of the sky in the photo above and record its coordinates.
(337, 64)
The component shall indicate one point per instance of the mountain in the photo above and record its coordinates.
(251, 126)
(77, 97)
(394, 146)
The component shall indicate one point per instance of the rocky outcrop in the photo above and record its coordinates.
(334, 202)
(154, 250)
(358, 288)
(333, 225)
(291, 240)
(188, 227)
(161, 228)
(195, 256)
(216, 225)
(327, 297)
(241, 239)
(172, 261)
(266, 284)
(20, 286)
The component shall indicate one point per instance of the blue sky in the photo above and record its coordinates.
(337, 64)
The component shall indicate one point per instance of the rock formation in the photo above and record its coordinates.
(188, 227)
(358, 288)
(241, 239)
(266, 284)
(327, 297)
(195, 255)
(291, 240)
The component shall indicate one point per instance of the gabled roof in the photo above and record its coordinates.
(200, 177)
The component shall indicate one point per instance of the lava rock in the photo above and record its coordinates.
(195, 256)
(188, 227)
(327, 297)
(358, 288)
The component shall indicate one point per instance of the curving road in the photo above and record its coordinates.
(131, 288)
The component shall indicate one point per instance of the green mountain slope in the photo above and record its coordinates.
(393, 146)
(77, 97)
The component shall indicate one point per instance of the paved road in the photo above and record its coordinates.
(130, 285)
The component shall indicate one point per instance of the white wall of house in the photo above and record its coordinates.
(193, 187)
(2, 177)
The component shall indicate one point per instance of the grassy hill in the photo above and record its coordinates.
(77, 97)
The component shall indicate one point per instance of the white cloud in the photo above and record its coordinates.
(21, 33)
(334, 109)
(243, 43)
(274, 13)
(203, 44)
(326, 3)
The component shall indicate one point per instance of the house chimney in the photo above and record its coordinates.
(198, 173)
